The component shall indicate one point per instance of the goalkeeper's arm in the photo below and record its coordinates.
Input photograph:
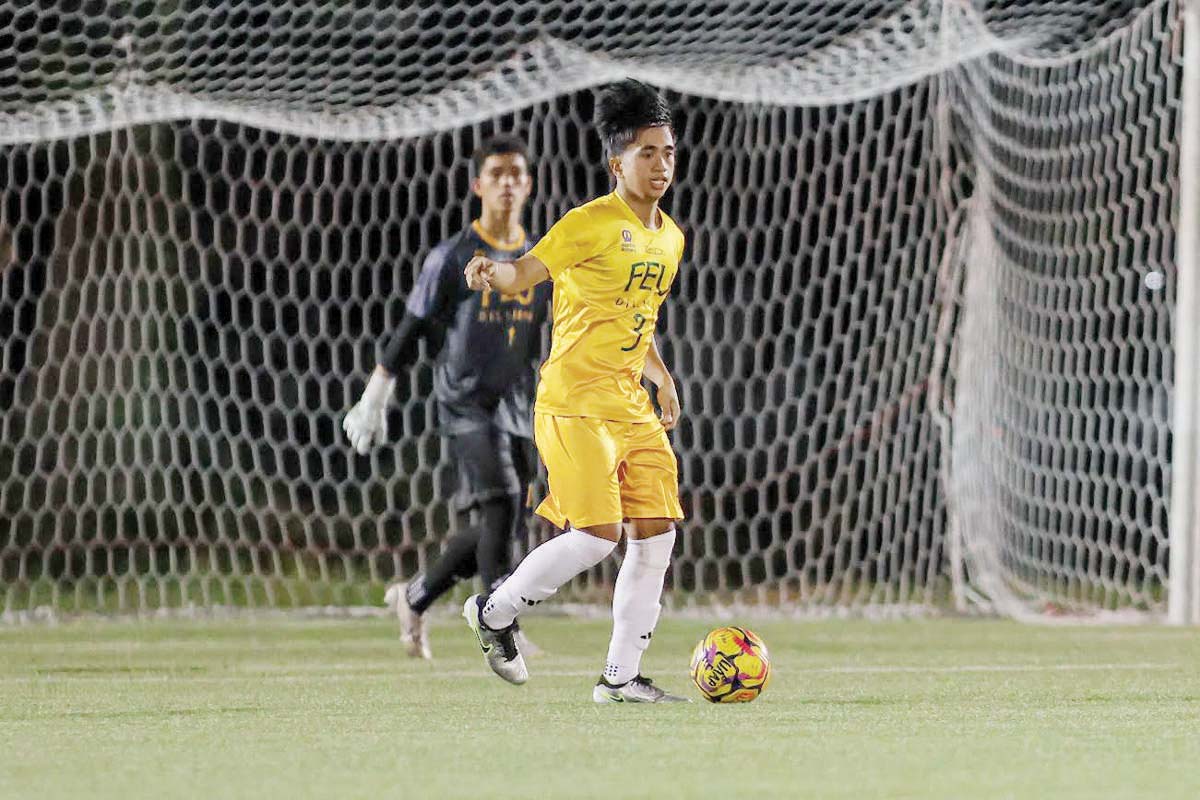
(366, 423)
(430, 301)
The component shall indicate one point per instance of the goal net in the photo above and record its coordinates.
(921, 360)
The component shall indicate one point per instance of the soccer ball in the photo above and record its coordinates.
(731, 665)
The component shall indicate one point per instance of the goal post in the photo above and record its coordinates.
(1184, 595)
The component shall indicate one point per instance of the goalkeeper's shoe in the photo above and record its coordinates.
(638, 690)
(499, 647)
(412, 628)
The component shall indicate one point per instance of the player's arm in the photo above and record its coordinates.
(366, 423)
(570, 241)
(668, 396)
(506, 277)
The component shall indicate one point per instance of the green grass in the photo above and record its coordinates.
(297, 709)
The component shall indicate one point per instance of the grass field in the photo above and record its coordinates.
(330, 709)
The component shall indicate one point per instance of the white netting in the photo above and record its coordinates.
(209, 215)
(1062, 454)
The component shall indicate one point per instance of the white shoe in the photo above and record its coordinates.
(638, 690)
(412, 627)
(499, 647)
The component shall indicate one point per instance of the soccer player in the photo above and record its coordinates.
(483, 381)
(610, 464)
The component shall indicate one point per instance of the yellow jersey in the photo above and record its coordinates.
(611, 273)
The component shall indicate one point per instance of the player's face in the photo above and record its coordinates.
(648, 165)
(503, 183)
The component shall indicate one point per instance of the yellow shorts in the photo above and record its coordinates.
(603, 472)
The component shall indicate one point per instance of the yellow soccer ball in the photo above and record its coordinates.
(731, 665)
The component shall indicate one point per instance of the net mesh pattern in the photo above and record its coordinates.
(918, 360)
(1062, 462)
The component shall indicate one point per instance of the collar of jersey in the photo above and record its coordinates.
(629, 212)
(493, 242)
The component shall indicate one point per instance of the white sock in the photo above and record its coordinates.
(546, 568)
(636, 604)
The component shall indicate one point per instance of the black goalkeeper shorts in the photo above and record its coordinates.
(491, 464)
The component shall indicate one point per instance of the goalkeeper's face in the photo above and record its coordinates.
(504, 183)
(647, 165)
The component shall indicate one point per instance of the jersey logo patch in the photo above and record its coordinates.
(627, 240)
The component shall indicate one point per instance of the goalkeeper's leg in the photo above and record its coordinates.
(493, 554)
(481, 546)
(489, 504)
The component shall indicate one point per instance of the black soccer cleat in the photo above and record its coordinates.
(638, 690)
(499, 647)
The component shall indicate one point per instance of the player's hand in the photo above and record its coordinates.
(668, 403)
(366, 423)
(480, 271)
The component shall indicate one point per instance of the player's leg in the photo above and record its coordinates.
(650, 496)
(581, 462)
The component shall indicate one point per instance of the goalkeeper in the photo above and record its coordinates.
(484, 382)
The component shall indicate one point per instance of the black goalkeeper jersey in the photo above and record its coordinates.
(489, 343)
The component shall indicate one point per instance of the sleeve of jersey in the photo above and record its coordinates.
(570, 242)
(429, 297)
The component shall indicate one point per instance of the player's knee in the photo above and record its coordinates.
(610, 531)
(648, 528)
(652, 552)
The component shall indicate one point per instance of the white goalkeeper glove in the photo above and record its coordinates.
(366, 424)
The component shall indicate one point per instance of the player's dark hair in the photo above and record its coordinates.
(624, 109)
(501, 144)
